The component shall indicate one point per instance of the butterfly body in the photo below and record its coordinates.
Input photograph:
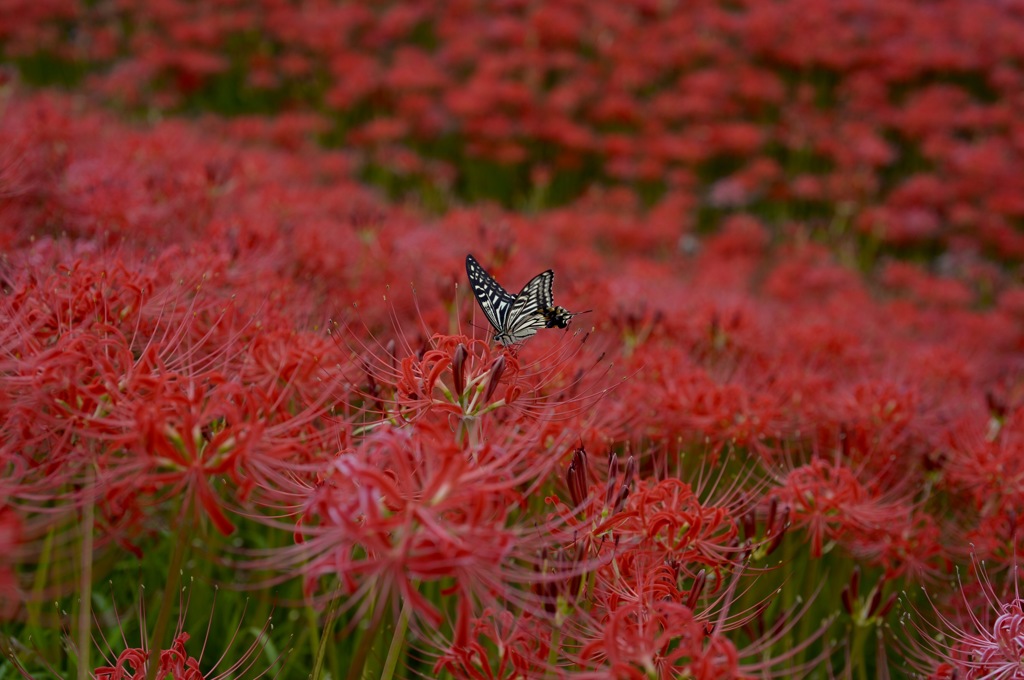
(516, 317)
(557, 316)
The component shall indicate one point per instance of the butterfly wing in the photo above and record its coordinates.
(526, 316)
(516, 317)
(495, 301)
(539, 288)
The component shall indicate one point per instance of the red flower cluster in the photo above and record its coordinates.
(893, 123)
(803, 368)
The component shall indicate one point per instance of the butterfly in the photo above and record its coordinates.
(516, 317)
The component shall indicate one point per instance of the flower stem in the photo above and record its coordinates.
(812, 575)
(397, 640)
(84, 628)
(320, 647)
(357, 667)
(857, 651)
(39, 583)
(170, 590)
(556, 644)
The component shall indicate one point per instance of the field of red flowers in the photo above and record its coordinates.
(253, 423)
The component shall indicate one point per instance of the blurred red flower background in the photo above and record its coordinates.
(255, 425)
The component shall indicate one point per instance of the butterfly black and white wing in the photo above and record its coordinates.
(527, 317)
(539, 289)
(494, 300)
(514, 317)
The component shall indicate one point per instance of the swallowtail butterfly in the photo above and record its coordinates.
(516, 317)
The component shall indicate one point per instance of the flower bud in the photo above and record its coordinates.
(497, 368)
(459, 369)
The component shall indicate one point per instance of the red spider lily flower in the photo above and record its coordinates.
(911, 546)
(639, 624)
(110, 403)
(661, 640)
(410, 504)
(475, 375)
(189, 433)
(592, 518)
(670, 519)
(981, 465)
(985, 459)
(121, 389)
(831, 502)
(456, 378)
(523, 646)
(176, 662)
(983, 637)
(132, 664)
(432, 487)
(694, 406)
(461, 380)
(629, 622)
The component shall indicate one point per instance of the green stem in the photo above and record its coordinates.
(325, 635)
(355, 671)
(789, 591)
(810, 582)
(397, 640)
(556, 645)
(857, 651)
(39, 582)
(85, 585)
(315, 635)
(170, 590)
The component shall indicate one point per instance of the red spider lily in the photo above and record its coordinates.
(139, 375)
(984, 450)
(611, 630)
(432, 489)
(121, 389)
(524, 649)
(662, 640)
(176, 662)
(980, 463)
(455, 378)
(834, 505)
(462, 380)
(91, 389)
(562, 77)
(475, 376)
(640, 624)
(411, 504)
(981, 639)
(695, 406)
(672, 521)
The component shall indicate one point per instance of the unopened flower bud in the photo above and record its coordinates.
(497, 368)
(695, 591)
(613, 474)
(459, 369)
(576, 477)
